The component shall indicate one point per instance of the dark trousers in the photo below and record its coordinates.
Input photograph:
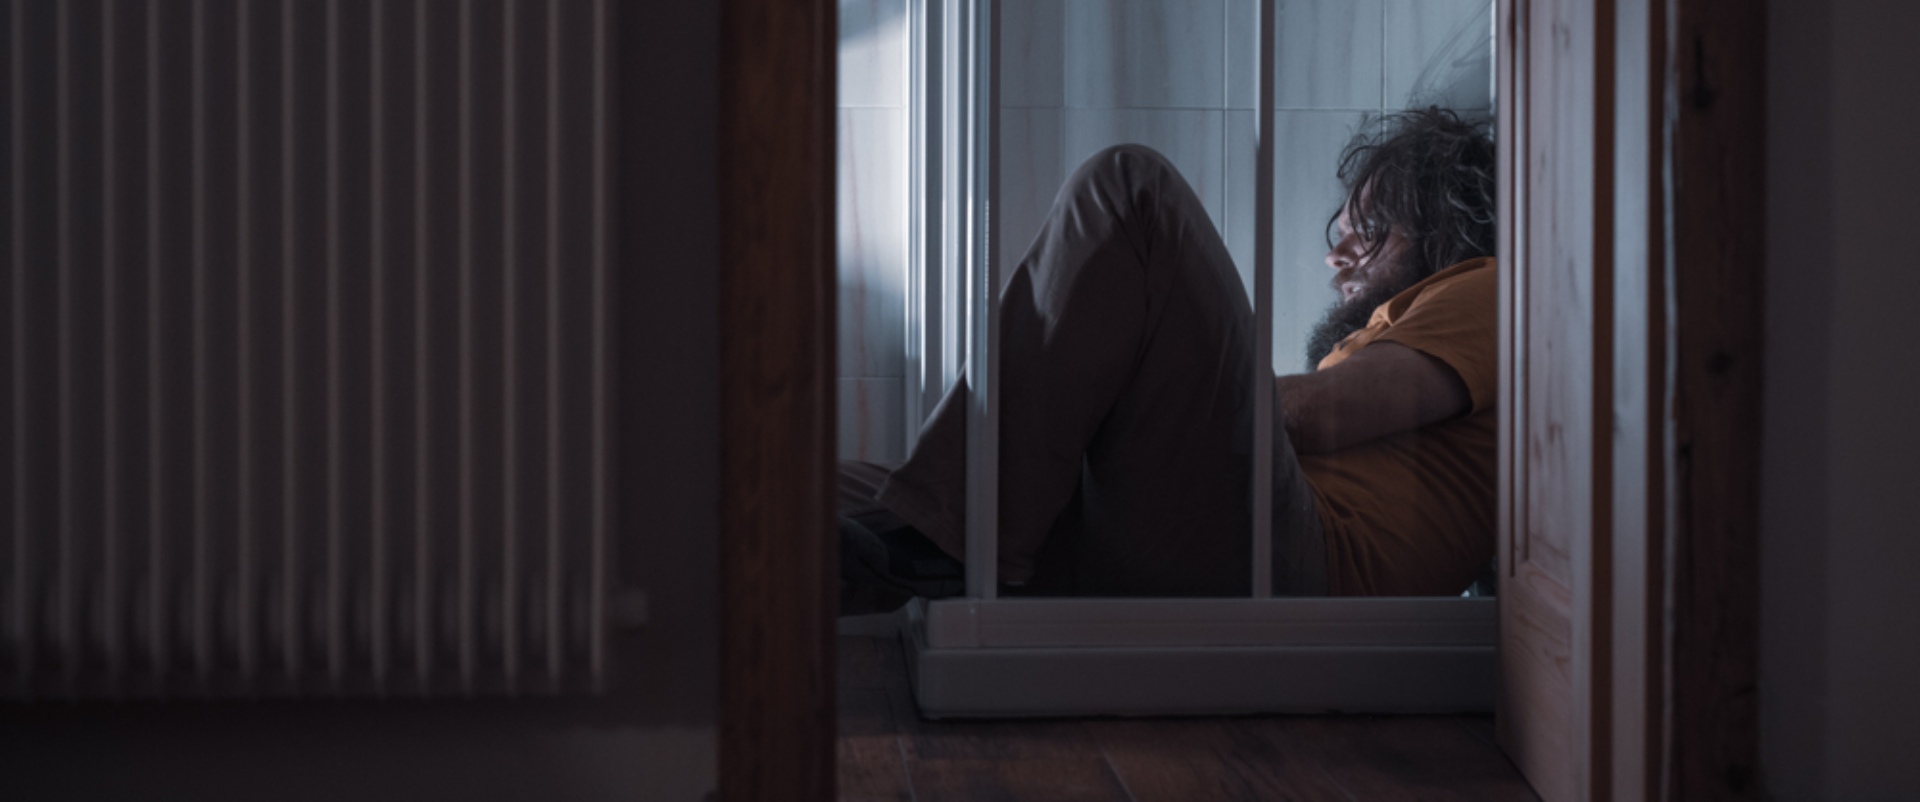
(1126, 425)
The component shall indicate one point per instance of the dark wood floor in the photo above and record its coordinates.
(887, 752)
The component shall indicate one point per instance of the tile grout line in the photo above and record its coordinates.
(1226, 105)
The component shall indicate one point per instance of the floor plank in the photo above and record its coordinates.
(1057, 759)
(1078, 779)
(871, 769)
(1188, 759)
(1405, 758)
(870, 763)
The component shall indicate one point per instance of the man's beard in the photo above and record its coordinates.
(1343, 319)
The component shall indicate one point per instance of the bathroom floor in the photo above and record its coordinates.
(887, 752)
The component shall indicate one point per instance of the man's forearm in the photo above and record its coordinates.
(1383, 389)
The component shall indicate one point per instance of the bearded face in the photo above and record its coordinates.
(1369, 269)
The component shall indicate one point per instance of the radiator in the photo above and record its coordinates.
(305, 355)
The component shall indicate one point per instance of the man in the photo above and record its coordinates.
(1126, 409)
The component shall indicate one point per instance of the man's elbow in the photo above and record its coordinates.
(1310, 433)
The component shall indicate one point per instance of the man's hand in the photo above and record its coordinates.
(1383, 389)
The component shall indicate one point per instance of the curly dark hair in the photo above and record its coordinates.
(1428, 174)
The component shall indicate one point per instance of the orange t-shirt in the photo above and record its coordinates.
(1413, 513)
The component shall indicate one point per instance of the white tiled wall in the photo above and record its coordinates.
(873, 53)
(1032, 37)
(1029, 147)
(872, 227)
(1438, 53)
(1328, 54)
(1161, 54)
(1176, 75)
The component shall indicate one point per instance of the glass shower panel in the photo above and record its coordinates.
(1063, 79)
(1183, 77)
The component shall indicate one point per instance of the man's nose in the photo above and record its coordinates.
(1339, 258)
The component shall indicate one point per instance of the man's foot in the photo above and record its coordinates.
(881, 571)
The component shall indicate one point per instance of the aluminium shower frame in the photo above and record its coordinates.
(986, 656)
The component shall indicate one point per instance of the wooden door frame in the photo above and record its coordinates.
(1666, 634)
(1714, 95)
(1678, 715)
(1670, 701)
(778, 571)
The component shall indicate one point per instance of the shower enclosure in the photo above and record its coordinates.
(1252, 100)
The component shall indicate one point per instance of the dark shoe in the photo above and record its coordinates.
(880, 572)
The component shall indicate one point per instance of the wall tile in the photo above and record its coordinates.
(1031, 171)
(1145, 53)
(1240, 163)
(1032, 53)
(871, 222)
(872, 421)
(1243, 52)
(873, 53)
(1439, 52)
(1327, 54)
(1192, 140)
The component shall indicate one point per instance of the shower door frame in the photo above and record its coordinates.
(983, 655)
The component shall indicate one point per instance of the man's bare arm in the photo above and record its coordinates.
(1383, 389)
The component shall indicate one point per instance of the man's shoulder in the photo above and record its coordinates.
(1455, 319)
(1473, 273)
(1463, 288)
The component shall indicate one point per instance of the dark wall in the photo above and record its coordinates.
(1840, 541)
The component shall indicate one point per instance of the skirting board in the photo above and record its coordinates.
(1368, 675)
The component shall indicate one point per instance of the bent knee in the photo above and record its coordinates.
(1125, 159)
(1128, 175)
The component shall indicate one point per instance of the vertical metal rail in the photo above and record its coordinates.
(555, 575)
(158, 647)
(22, 559)
(377, 630)
(596, 616)
(243, 337)
(289, 389)
(510, 351)
(289, 630)
(918, 180)
(983, 366)
(422, 520)
(111, 636)
(464, 258)
(63, 233)
(934, 270)
(1263, 202)
(336, 550)
(202, 591)
(952, 291)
